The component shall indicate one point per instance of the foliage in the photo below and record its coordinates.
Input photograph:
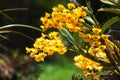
(13, 62)
(77, 26)
(115, 6)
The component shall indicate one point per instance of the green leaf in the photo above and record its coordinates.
(11, 31)
(64, 32)
(88, 12)
(5, 15)
(90, 20)
(2, 12)
(4, 37)
(110, 2)
(113, 10)
(76, 36)
(20, 25)
(109, 23)
(13, 9)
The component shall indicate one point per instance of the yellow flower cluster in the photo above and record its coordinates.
(88, 66)
(46, 45)
(70, 18)
(96, 47)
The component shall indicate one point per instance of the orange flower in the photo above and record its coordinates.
(95, 37)
(96, 30)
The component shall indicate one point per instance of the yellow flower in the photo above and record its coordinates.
(50, 50)
(44, 20)
(28, 50)
(63, 16)
(95, 43)
(60, 7)
(81, 34)
(83, 13)
(34, 51)
(76, 29)
(96, 30)
(77, 58)
(95, 37)
(84, 29)
(102, 47)
(43, 35)
(40, 57)
(55, 9)
(99, 68)
(104, 36)
(87, 37)
(44, 28)
(82, 20)
(71, 28)
(69, 18)
(55, 14)
(61, 50)
(53, 35)
(71, 6)
(66, 11)
(49, 23)
(32, 54)
(55, 24)
(91, 51)
(76, 23)
(47, 15)
(101, 54)
(56, 20)
(86, 64)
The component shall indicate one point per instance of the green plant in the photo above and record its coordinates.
(12, 62)
(77, 29)
(83, 32)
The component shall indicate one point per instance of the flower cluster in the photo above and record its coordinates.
(95, 39)
(61, 17)
(46, 45)
(95, 48)
(72, 19)
(89, 66)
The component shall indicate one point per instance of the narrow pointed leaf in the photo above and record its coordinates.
(11, 31)
(5, 15)
(108, 2)
(113, 10)
(76, 36)
(109, 23)
(89, 5)
(20, 25)
(13, 9)
(67, 35)
(4, 37)
(90, 20)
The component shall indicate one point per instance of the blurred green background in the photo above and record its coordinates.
(15, 64)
